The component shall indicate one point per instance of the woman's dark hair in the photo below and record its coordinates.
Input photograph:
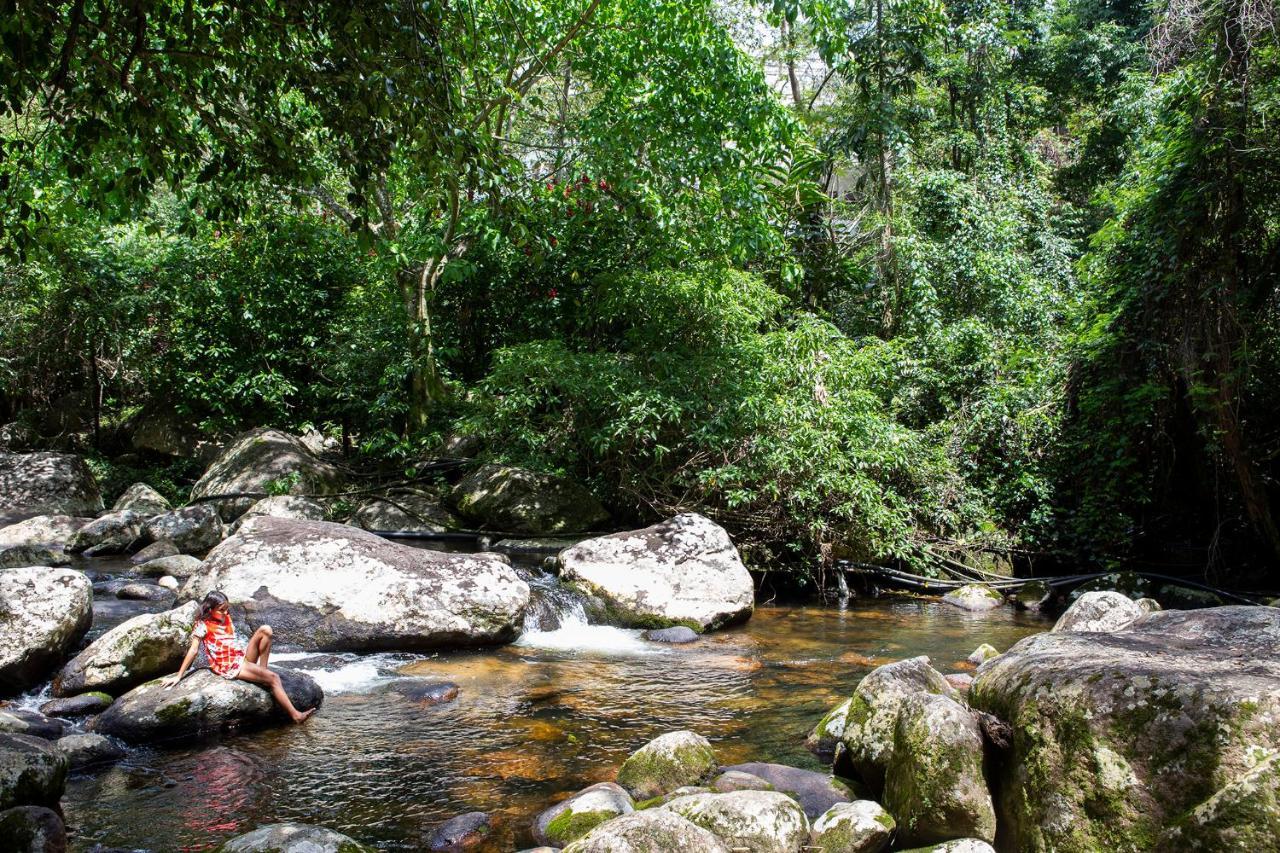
(211, 602)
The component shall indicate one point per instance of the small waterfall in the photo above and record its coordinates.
(557, 621)
(552, 605)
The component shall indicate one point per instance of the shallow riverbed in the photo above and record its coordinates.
(559, 710)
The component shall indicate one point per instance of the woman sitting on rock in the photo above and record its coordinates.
(226, 658)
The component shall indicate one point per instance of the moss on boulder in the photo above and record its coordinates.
(862, 826)
(667, 762)
(573, 818)
(760, 821)
(651, 831)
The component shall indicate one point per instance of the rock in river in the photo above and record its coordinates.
(573, 818)
(179, 566)
(131, 653)
(459, 834)
(143, 500)
(293, 838)
(1099, 611)
(108, 534)
(21, 721)
(682, 571)
(975, 597)
(337, 588)
(816, 792)
(515, 500)
(32, 772)
(651, 831)
(53, 530)
(760, 821)
(45, 613)
(144, 592)
(154, 551)
(83, 705)
(46, 484)
(282, 506)
(406, 510)
(85, 750)
(858, 827)
(665, 763)
(203, 703)
(192, 529)
(1142, 738)
(259, 461)
(32, 829)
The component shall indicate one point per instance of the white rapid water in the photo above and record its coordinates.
(576, 634)
(357, 674)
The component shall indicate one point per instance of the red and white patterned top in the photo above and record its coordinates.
(221, 646)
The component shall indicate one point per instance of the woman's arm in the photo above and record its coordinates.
(186, 662)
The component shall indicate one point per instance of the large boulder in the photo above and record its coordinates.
(161, 430)
(43, 614)
(651, 831)
(935, 787)
(574, 817)
(261, 462)
(515, 500)
(17, 556)
(872, 717)
(112, 533)
(85, 750)
(33, 829)
(52, 530)
(154, 551)
(201, 704)
(759, 821)
(858, 827)
(293, 838)
(32, 772)
(405, 510)
(667, 762)
(46, 484)
(143, 500)
(131, 653)
(1099, 611)
(22, 721)
(282, 506)
(682, 571)
(333, 587)
(178, 566)
(1122, 738)
(974, 597)
(815, 792)
(192, 530)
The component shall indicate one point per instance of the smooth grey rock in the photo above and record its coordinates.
(154, 551)
(44, 614)
(55, 531)
(202, 703)
(862, 826)
(32, 829)
(85, 750)
(144, 592)
(465, 832)
(974, 597)
(1099, 611)
(133, 652)
(20, 721)
(179, 566)
(935, 787)
(16, 556)
(192, 529)
(293, 838)
(515, 500)
(406, 510)
(1121, 738)
(667, 762)
(112, 533)
(32, 772)
(736, 780)
(83, 705)
(143, 500)
(761, 821)
(816, 792)
(282, 506)
(572, 818)
(332, 587)
(259, 462)
(654, 830)
(682, 571)
(47, 484)
(677, 635)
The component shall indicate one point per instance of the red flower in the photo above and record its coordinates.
(604, 185)
(551, 294)
(550, 186)
(554, 242)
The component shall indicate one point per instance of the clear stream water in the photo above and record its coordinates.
(556, 711)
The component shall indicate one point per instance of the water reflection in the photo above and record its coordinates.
(532, 722)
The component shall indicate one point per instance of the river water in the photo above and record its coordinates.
(556, 711)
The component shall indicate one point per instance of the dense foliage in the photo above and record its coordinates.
(876, 279)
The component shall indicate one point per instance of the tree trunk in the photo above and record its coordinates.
(425, 385)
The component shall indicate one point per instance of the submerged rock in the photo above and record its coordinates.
(32, 772)
(816, 792)
(112, 533)
(293, 838)
(203, 703)
(975, 597)
(858, 827)
(143, 500)
(47, 484)
(1034, 596)
(260, 461)
(131, 653)
(32, 829)
(574, 817)
(935, 787)
(427, 692)
(282, 506)
(85, 750)
(516, 500)
(406, 510)
(464, 832)
(677, 635)
(1120, 737)
(760, 821)
(1099, 611)
(45, 613)
(333, 587)
(873, 713)
(650, 831)
(192, 529)
(682, 571)
(665, 763)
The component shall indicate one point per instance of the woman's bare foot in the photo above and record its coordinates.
(302, 716)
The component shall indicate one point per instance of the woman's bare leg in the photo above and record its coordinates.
(259, 648)
(259, 674)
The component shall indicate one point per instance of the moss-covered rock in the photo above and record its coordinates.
(131, 653)
(32, 829)
(665, 763)
(873, 714)
(982, 654)
(1119, 736)
(826, 734)
(516, 500)
(759, 821)
(260, 462)
(935, 786)
(974, 597)
(32, 772)
(736, 780)
(650, 831)
(192, 529)
(815, 792)
(862, 826)
(573, 818)
(108, 534)
(143, 500)
(293, 838)
(44, 613)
